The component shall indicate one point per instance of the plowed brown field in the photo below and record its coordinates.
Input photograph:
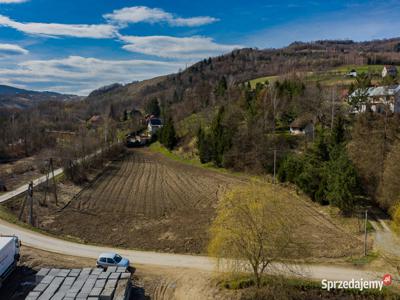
(146, 201)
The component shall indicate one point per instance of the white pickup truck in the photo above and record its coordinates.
(9, 256)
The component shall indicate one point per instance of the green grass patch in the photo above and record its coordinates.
(158, 148)
(270, 79)
(8, 216)
(370, 228)
(372, 69)
(336, 76)
(298, 288)
(246, 281)
(364, 260)
(191, 124)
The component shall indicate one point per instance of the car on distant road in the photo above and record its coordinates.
(111, 259)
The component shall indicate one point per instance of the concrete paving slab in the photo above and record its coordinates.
(74, 284)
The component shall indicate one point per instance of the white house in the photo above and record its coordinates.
(352, 73)
(389, 70)
(379, 99)
(153, 125)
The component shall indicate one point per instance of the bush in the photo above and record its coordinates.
(395, 212)
(167, 135)
(290, 168)
(75, 173)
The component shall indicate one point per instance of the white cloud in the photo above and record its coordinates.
(137, 14)
(80, 75)
(195, 47)
(13, 1)
(54, 29)
(9, 49)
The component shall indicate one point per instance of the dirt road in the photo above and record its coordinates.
(22, 189)
(43, 242)
(386, 241)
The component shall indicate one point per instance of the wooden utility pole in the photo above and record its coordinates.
(54, 180)
(30, 202)
(333, 98)
(273, 131)
(47, 187)
(28, 199)
(274, 166)
(365, 233)
(50, 169)
(23, 207)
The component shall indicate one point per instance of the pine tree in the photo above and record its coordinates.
(153, 108)
(320, 148)
(112, 114)
(221, 87)
(168, 135)
(389, 189)
(218, 138)
(338, 135)
(126, 115)
(203, 146)
(342, 180)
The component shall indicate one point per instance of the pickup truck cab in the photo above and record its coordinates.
(111, 259)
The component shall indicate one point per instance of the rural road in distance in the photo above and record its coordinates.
(22, 189)
(51, 244)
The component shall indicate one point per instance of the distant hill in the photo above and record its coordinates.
(105, 89)
(192, 90)
(16, 98)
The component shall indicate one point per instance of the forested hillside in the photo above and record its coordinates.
(213, 113)
(191, 90)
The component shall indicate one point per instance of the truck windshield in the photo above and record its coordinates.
(117, 258)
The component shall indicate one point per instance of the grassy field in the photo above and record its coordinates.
(336, 76)
(270, 79)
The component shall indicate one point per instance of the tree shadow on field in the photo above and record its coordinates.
(137, 290)
(138, 293)
(18, 284)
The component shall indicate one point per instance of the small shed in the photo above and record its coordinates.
(302, 125)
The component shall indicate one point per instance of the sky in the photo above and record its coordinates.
(72, 46)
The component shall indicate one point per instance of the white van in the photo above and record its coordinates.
(9, 256)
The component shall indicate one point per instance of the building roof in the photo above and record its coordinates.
(302, 121)
(96, 119)
(391, 68)
(155, 122)
(380, 91)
